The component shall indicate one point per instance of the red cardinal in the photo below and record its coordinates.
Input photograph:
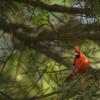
(81, 63)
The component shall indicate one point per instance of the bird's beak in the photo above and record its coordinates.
(75, 53)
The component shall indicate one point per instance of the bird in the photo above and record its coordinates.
(80, 65)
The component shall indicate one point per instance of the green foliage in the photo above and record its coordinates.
(26, 71)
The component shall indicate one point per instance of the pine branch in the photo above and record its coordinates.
(56, 8)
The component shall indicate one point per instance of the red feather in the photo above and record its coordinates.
(81, 63)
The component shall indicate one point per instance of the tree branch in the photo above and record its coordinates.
(56, 8)
(6, 96)
(64, 33)
(44, 96)
(33, 42)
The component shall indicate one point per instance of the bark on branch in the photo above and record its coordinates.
(33, 42)
(56, 8)
(63, 33)
(45, 95)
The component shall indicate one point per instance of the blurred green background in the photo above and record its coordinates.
(36, 42)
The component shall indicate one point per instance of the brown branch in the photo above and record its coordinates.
(30, 41)
(50, 54)
(56, 8)
(64, 33)
(33, 42)
(45, 95)
(6, 96)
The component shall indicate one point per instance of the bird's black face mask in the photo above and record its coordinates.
(77, 54)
